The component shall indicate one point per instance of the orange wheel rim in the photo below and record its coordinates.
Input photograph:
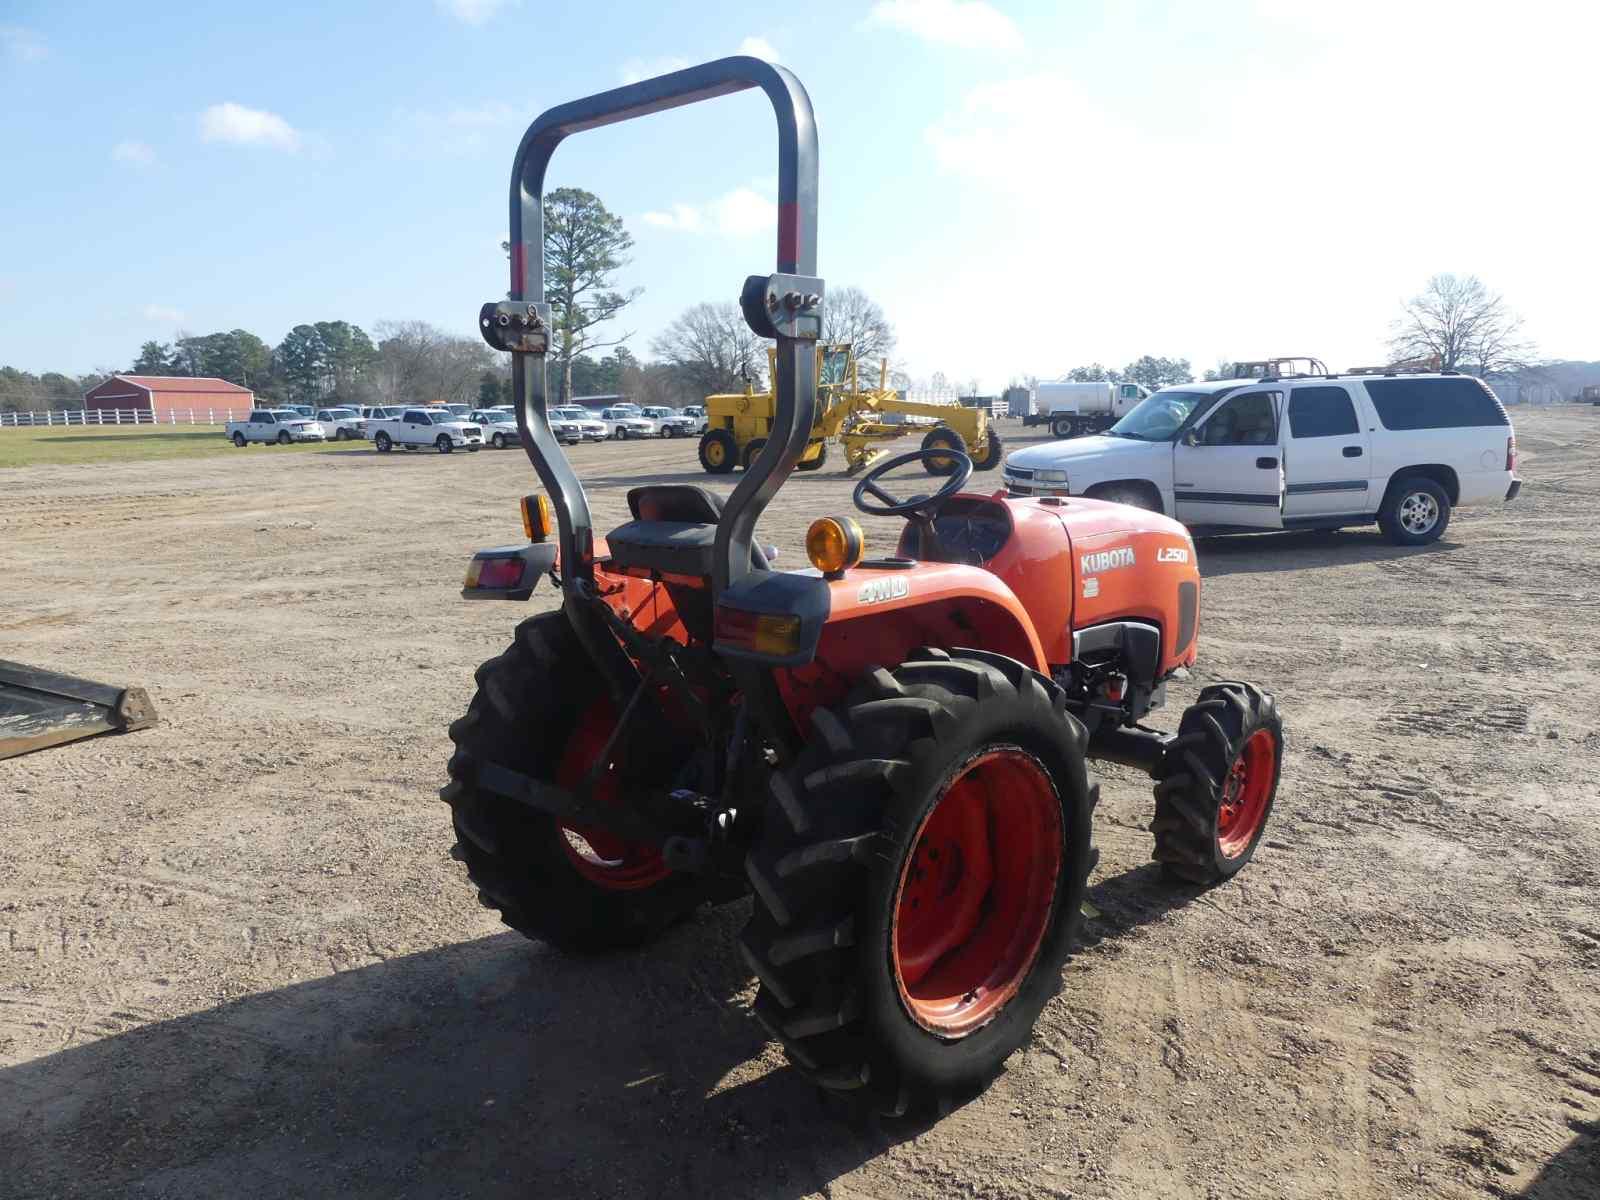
(599, 856)
(977, 892)
(1245, 794)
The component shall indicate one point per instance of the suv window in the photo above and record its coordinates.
(1246, 420)
(1321, 412)
(1434, 403)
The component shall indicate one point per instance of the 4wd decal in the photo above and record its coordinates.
(1106, 560)
(879, 590)
(1174, 554)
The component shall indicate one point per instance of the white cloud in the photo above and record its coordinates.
(759, 47)
(22, 43)
(133, 153)
(162, 314)
(636, 69)
(743, 212)
(230, 122)
(970, 24)
(473, 12)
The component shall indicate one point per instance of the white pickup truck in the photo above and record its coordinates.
(281, 425)
(437, 427)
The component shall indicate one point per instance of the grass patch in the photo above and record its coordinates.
(69, 444)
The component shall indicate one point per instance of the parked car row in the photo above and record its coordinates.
(450, 427)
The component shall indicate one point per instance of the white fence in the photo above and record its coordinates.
(122, 416)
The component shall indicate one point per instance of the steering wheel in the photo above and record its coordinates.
(917, 506)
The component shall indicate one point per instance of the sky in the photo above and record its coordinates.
(1023, 185)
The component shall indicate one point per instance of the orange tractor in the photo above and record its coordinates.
(888, 753)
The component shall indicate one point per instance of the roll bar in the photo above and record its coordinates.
(786, 305)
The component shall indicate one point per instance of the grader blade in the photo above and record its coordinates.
(41, 708)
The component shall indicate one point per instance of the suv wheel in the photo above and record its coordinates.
(1415, 512)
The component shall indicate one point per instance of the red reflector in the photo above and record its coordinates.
(1511, 453)
(499, 572)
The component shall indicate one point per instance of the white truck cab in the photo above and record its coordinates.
(1316, 451)
(281, 425)
(437, 427)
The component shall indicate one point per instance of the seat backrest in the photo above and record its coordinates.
(675, 502)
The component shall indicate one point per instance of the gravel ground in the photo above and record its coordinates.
(236, 959)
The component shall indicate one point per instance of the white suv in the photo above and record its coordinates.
(1314, 451)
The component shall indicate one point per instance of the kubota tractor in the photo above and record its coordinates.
(889, 753)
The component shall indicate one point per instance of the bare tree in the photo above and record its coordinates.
(711, 349)
(1460, 325)
(419, 364)
(850, 315)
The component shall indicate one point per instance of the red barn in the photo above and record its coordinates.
(162, 395)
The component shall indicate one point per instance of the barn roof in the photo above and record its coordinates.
(182, 383)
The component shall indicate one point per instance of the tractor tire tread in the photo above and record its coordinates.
(1188, 791)
(811, 867)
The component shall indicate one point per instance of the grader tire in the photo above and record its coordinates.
(719, 453)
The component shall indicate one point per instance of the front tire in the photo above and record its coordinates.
(815, 464)
(919, 878)
(443, 443)
(942, 439)
(1129, 494)
(1218, 782)
(993, 453)
(719, 452)
(752, 451)
(1415, 512)
(538, 712)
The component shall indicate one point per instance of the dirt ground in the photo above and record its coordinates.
(236, 958)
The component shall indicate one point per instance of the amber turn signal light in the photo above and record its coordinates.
(834, 544)
(538, 521)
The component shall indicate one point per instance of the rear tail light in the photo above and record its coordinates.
(1511, 452)
(494, 573)
(775, 634)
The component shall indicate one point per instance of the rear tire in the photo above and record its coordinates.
(850, 984)
(381, 442)
(942, 439)
(719, 453)
(1063, 427)
(284, 439)
(238, 440)
(499, 441)
(1218, 783)
(525, 716)
(1415, 512)
(752, 449)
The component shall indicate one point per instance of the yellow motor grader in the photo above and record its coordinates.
(738, 423)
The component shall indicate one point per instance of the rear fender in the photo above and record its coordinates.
(878, 617)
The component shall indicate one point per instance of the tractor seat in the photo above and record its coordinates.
(673, 531)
